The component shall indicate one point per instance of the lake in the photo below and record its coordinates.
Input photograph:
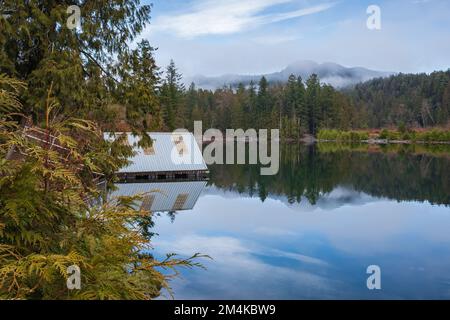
(311, 231)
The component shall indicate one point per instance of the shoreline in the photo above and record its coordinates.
(312, 140)
(385, 141)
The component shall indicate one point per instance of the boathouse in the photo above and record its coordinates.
(172, 157)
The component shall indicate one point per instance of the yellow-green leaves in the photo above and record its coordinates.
(48, 225)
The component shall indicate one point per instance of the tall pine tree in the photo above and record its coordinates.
(171, 94)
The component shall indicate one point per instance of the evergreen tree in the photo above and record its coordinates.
(139, 81)
(252, 115)
(414, 99)
(238, 109)
(293, 113)
(301, 106)
(171, 94)
(191, 102)
(37, 46)
(444, 112)
(312, 103)
(290, 106)
(327, 113)
(263, 106)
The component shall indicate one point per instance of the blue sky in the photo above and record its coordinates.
(213, 37)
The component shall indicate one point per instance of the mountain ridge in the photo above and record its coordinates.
(328, 72)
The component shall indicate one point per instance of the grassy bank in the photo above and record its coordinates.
(386, 136)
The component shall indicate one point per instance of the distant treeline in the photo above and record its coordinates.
(296, 107)
(306, 105)
(417, 100)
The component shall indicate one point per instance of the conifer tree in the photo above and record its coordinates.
(263, 104)
(171, 94)
(239, 108)
(52, 216)
(139, 82)
(252, 115)
(312, 103)
(38, 47)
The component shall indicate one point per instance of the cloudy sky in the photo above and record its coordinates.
(214, 37)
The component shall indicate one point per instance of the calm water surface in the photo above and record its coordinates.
(312, 230)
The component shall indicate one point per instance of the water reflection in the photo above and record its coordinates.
(163, 196)
(312, 230)
(270, 251)
(396, 172)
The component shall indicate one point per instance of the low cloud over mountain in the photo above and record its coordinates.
(331, 73)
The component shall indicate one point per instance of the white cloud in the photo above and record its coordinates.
(238, 264)
(228, 16)
(297, 13)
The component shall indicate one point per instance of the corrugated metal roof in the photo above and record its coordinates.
(170, 152)
(163, 196)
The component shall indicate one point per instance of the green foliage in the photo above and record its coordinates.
(384, 134)
(51, 216)
(295, 107)
(363, 135)
(405, 100)
(38, 48)
(342, 136)
(432, 135)
(402, 128)
(299, 107)
(328, 134)
(406, 136)
(393, 135)
(137, 90)
(171, 94)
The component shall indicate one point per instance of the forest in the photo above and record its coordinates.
(74, 84)
(306, 105)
